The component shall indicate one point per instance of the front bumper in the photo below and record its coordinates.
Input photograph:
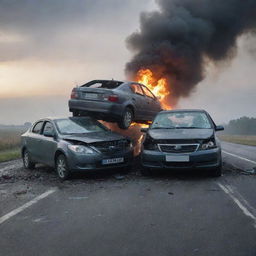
(94, 161)
(202, 159)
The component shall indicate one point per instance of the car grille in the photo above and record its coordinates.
(110, 146)
(178, 148)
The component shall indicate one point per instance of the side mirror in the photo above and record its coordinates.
(48, 134)
(219, 128)
(145, 130)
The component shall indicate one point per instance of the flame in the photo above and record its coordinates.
(158, 87)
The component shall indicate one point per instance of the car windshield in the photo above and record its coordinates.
(182, 120)
(74, 125)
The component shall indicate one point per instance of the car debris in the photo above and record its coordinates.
(249, 171)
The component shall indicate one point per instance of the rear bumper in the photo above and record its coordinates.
(101, 108)
(207, 159)
(78, 163)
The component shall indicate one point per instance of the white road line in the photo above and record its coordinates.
(246, 208)
(242, 158)
(26, 205)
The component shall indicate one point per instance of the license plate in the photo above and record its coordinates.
(171, 158)
(90, 95)
(113, 160)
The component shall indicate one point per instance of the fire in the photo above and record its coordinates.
(158, 87)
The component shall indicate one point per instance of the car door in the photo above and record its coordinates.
(139, 102)
(48, 143)
(33, 141)
(153, 105)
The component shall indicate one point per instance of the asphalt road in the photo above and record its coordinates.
(106, 214)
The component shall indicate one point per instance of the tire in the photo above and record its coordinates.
(146, 171)
(61, 167)
(27, 163)
(217, 172)
(126, 119)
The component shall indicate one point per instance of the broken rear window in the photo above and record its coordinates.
(107, 84)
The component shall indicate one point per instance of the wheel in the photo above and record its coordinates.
(217, 172)
(62, 168)
(146, 171)
(27, 163)
(126, 119)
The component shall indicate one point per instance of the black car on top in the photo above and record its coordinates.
(75, 144)
(182, 139)
(115, 101)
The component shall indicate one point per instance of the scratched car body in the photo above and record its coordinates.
(182, 139)
(75, 144)
(115, 101)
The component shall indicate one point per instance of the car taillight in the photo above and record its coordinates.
(113, 98)
(74, 94)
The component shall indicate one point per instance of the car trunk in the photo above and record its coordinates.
(95, 94)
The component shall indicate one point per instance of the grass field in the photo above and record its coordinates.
(240, 139)
(10, 143)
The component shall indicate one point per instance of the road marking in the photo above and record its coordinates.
(242, 158)
(246, 208)
(26, 205)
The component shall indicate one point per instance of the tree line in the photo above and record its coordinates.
(241, 126)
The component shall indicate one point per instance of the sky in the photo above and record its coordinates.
(48, 47)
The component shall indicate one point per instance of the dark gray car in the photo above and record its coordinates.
(182, 139)
(115, 101)
(75, 144)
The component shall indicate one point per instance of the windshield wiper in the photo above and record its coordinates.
(162, 127)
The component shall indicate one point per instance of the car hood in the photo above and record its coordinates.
(94, 137)
(182, 134)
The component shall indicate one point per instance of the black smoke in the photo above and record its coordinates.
(180, 38)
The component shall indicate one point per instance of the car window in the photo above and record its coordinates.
(137, 89)
(182, 120)
(148, 92)
(111, 84)
(37, 127)
(79, 125)
(48, 127)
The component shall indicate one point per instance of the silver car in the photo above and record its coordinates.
(75, 144)
(182, 139)
(115, 101)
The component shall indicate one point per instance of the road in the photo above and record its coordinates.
(106, 214)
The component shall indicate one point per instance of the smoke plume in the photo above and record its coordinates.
(178, 40)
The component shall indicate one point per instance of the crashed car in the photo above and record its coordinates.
(182, 139)
(75, 144)
(115, 101)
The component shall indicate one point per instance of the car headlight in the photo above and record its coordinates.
(81, 149)
(208, 145)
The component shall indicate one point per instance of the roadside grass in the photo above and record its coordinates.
(10, 143)
(10, 154)
(249, 140)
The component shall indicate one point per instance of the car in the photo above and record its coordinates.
(115, 101)
(182, 139)
(75, 144)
